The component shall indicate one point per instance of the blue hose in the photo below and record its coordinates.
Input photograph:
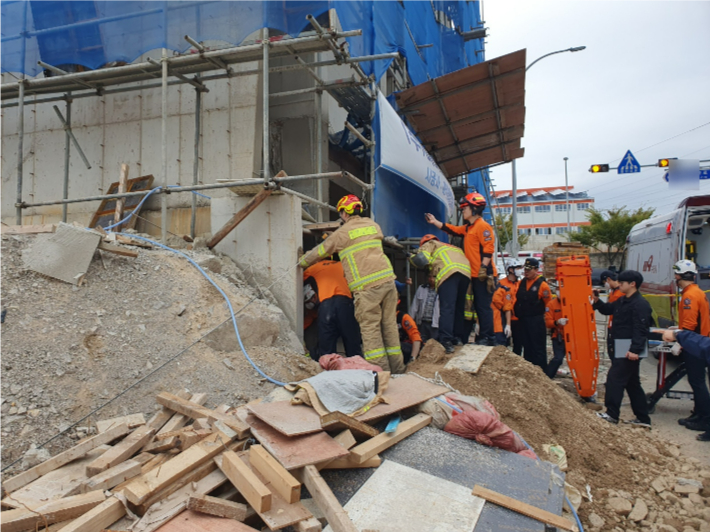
(576, 517)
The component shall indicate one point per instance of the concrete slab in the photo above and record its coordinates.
(470, 358)
(467, 463)
(420, 502)
(64, 255)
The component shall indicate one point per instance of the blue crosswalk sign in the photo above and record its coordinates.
(629, 164)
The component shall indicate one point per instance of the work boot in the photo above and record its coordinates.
(705, 436)
(449, 348)
(701, 425)
(690, 419)
(638, 423)
(458, 342)
(607, 417)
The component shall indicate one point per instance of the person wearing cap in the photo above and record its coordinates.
(610, 280)
(694, 315)
(452, 275)
(532, 298)
(556, 323)
(326, 290)
(479, 246)
(512, 281)
(632, 319)
(409, 337)
(370, 278)
(425, 309)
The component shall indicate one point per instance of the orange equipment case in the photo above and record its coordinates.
(574, 277)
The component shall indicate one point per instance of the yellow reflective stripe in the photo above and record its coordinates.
(392, 351)
(468, 315)
(321, 251)
(374, 353)
(359, 283)
(426, 254)
(362, 231)
(304, 262)
(469, 297)
(359, 246)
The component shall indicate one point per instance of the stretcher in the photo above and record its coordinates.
(574, 278)
(666, 381)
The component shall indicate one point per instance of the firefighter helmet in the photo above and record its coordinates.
(427, 238)
(475, 200)
(349, 204)
(686, 269)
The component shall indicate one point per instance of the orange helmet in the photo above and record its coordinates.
(426, 239)
(474, 199)
(349, 203)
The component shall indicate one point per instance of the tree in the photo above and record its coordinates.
(504, 225)
(609, 229)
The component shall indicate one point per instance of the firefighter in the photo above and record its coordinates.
(479, 246)
(556, 323)
(502, 305)
(452, 274)
(610, 280)
(325, 283)
(370, 278)
(694, 315)
(531, 300)
(409, 337)
(512, 281)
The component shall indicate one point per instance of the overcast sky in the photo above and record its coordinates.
(644, 78)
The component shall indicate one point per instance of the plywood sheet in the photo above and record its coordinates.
(288, 419)
(420, 502)
(105, 213)
(64, 255)
(189, 521)
(297, 451)
(469, 358)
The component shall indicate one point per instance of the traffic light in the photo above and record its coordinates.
(597, 168)
(665, 163)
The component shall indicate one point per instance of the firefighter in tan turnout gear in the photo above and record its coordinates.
(371, 280)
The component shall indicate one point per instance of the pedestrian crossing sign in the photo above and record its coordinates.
(629, 164)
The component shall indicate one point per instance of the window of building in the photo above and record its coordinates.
(582, 206)
(524, 210)
(560, 230)
(505, 210)
(524, 231)
(561, 207)
(542, 208)
(543, 230)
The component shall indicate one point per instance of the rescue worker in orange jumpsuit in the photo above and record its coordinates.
(479, 246)
(532, 298)
(610, 280)
(370, 278)
(409, 337)
(694, 315)
(556, 323)
(502, 305)
(512, 282)
(336, 311)
(452, 273)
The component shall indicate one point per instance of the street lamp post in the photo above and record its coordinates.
(514, 245)
(567, 196)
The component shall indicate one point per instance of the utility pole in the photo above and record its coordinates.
(567, 197)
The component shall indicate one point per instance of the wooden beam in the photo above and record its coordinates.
(282, 481)
(132, 420)
(309, 525)
(61, 459)
(196, 411)
(121, 202)
(337, 419)
(217, 507)
(323, 496)
(522, 508)
(162, 416)
(179, 420)
(98, 518)
(345, 439)
(120, 452)
(53, 512)
(349, 463)
(254, 491)
(27, 229)
(144, 486)
(110, 478)
(383, 441)
(238, 217)
(163, 445)
(118, 250)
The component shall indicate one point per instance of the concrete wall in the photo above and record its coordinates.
(265, 246)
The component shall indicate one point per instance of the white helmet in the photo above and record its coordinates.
(308, 293)
(686, 269)
(514, 263)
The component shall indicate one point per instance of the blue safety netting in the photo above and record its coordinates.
(93, 34)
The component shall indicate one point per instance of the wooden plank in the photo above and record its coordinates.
(98, 518)
(217, 507)
(254, 491)
(179, 420)
(323, 226)
(178, 432)
(239, 216)
(191, 521)
(288, 419)
(345, 439)
(112, 477)
(283, 482)
(132, 420)
(383, 441)
(144, 486)
(118, 250)
(27, 229)
(338, 419)
(21, 519)
(309, 525)
(162, 416)
(294, 452)
(401, 393)
(105, 212)
(523, 508)
(162, 445)
(196, 411)
(122, 451)
(337, 517)
(61, 459)
(349, 463)
(121, 202)
(191, 437)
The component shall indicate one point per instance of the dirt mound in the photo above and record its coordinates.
(612, 460)
(67, 350)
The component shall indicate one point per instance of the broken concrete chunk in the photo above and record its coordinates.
(228, 363)
(619, 506)
(596, 521)
(659, 485)
(639, 512)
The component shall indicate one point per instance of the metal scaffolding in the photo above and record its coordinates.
(67, 87)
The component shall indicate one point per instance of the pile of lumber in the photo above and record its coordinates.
(190, 467)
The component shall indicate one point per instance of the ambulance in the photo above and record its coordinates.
(654, 245)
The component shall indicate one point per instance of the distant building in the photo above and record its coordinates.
(542, 213)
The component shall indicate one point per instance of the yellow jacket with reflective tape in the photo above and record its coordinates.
(445, 260)
(359, 244)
